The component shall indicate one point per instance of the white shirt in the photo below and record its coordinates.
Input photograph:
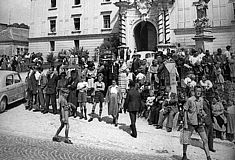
(140, 76)
(82, 86)
(114, 90)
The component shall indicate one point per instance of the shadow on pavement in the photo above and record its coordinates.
(107, 119)
(13, 105)
(125, 128)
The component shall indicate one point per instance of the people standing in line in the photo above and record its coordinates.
(193, 120)
(82, 97)
(64, 116)
(52, 79)
(99, 97)
(113, 99)
(72, 86)
(133, 105)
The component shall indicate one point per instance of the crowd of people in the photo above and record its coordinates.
(142, 89)
(19, 62)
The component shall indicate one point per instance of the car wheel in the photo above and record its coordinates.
(3, 105)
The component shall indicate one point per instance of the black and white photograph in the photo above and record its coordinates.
(117, 79)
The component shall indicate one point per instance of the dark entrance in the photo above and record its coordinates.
(145, 36)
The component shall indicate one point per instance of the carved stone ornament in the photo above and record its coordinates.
(143, 6)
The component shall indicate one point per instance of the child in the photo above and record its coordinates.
(231, 118)
(64, 116)
(99, 96)
(149, 104)
(82, 97)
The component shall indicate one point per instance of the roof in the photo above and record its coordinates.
(14, 34)
(4, 73)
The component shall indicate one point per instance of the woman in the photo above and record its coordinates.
(219, 117)
(133, 105)
(232, 67)
(231, 118)
(113, 98)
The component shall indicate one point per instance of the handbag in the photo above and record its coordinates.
(185, 136)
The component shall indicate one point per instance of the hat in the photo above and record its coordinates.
(63, 73)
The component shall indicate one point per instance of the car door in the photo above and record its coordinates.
(10, 88)
(18, 87)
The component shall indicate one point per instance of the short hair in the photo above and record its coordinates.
(228, 47)
(131, 84)
(196, 87)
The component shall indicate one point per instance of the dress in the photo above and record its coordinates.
(231, 119)
(113, 97)
(219, 117)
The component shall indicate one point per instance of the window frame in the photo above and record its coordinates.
(10, 75)
(18, 77)
(79, 28)
(75, 44)
(105, 26)
(51, 29)
(76, 4)
(53, 6)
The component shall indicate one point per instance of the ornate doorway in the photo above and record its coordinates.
(145, 36)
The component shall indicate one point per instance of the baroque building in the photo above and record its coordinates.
(140, 24)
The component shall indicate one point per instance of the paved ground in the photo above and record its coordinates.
(22, 148)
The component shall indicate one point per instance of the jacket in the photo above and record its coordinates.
(51, 84)
(133, 101)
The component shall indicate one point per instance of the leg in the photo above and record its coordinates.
(92, 112)
(162, 117)
(100, 112)
(205, 142)
(81, 109)
(184, 152)
(133, 127)
(59, 129)
(47, 103)
(41, 99)
(30, 100)
(53, 102)
(170, 119)
(84, 105)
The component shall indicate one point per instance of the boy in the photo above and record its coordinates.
(82, 97)
(64, 115)
(99, 96)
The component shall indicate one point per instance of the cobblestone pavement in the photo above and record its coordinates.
(24, 148)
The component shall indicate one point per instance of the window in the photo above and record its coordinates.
(17, 78)
(77, 2)
(77, 23)
(9, 80)
(53, 3)
(53, 26)
(234, 11)
(52, 45)
(107, 0)
(76, 43)
(106, 21)
(18, 51)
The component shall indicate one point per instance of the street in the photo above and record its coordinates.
(21, 148)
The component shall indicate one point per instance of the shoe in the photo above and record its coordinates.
(134, 136)
(91, 119)
(212, 150)
(67, 141)
(75, 115)
(116, 125)
(85, 117)
(159, 127)
(209, 158)
(55, 139)
(169, 129)
(100, 119)
(184, 157)
(30, 108)
(81, 117)
(150, 123)
(45, 111)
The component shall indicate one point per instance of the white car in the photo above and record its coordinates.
(148, 55)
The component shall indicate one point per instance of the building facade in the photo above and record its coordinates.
(140, 24)
(13, 41)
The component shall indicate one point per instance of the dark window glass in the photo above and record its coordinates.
(77, 23)
(53, 3)
(53, 26)
(77, 2)
(76, 43)
(52, 45)
(106, 21)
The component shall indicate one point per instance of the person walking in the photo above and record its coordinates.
(133, 105)
(113, 99)
(193, 120)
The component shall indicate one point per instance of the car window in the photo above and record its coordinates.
(17, 78)
(9, 80)
(148, 55)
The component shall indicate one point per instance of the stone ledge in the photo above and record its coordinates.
(51, 9)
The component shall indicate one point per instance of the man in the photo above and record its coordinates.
(193, 120)
(51, 90)
(169, 110)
